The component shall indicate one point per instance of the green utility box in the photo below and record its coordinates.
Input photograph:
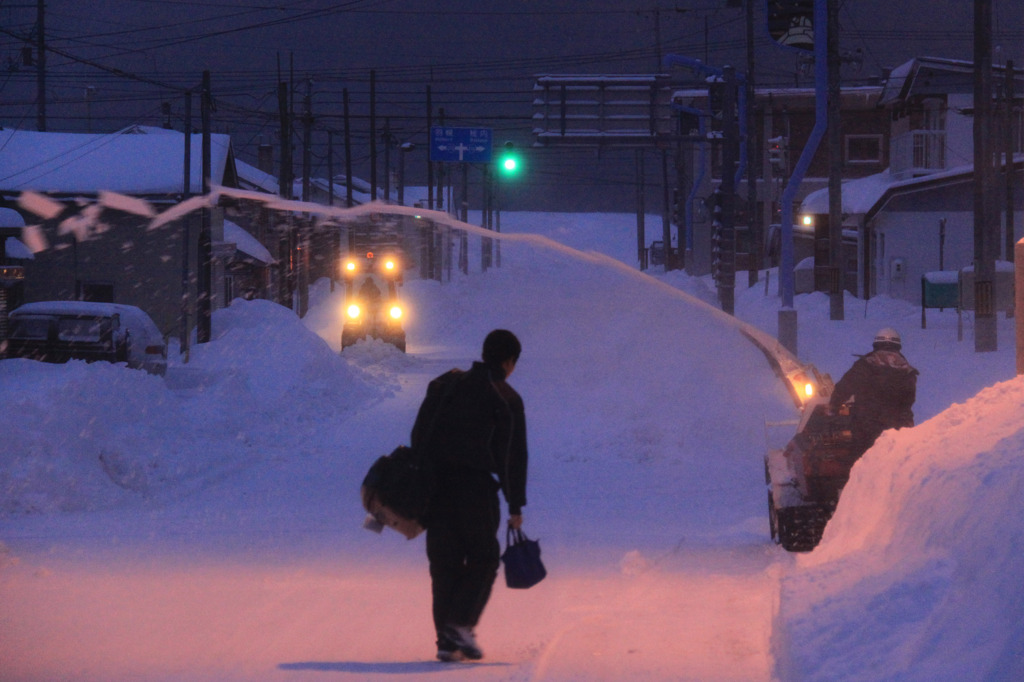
(939, 290)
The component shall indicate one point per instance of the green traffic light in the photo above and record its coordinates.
(509, 162)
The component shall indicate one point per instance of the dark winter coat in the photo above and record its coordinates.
(883, 386)
(474, 420)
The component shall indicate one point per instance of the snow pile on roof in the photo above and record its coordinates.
(246, 243)
(15, 248)
(135, 161)
(919, 573)
(252, 178)
(859, 195)
(10, 218)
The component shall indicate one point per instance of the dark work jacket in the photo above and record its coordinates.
(883, 386)
(474, 420)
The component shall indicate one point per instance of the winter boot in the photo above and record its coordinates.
(447, 651)
(462, 637)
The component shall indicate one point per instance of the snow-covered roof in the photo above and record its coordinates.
(360, 189)
(906, 77)
(99, 309)
(246, 243)
(862, 195)
(136, 161)
(252, 178)
(859, 195)
(15, 248)
(10, 218)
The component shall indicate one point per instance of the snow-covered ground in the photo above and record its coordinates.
(206, 526)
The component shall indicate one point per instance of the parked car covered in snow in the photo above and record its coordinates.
(58, 331)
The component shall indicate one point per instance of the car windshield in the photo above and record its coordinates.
(82, 328)
(30, 327)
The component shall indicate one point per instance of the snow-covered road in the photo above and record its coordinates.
(260, 577)
(646, 427)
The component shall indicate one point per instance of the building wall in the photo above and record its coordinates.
(788, 114)
(959, 132)
(907, 232)
(141, 267)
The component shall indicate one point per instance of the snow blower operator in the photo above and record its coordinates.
(883, 386)
(471, 427)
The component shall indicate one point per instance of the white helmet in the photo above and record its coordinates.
(888, 336)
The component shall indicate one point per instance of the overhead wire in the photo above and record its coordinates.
(395, 82)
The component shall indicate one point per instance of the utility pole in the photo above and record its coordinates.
(753, 159)
(387, 159)
(464, 217)
(836, 267)
(330, 170)
(205, 299)
(285, 177)
(304, 225)
(985, 335)
(373, 135)
(1008, 98)
(640, 172)
(727, 230)
(186, 243)
(430, 164)
(486, 251)
(673, 258)
(349, 200)
(41, 66)
(307, 138)
(284, 243)
(336, 231)
(641, 210)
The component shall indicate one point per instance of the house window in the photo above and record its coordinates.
(863, 149)
(99, 292)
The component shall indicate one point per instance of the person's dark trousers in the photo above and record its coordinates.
(462, 546)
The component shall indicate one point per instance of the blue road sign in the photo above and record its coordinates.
(470, 145)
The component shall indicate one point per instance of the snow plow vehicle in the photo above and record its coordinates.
(372, 306)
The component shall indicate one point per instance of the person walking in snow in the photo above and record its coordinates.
(883, 386)
(471, 430)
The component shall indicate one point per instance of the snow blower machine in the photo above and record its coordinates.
(373, 273)
(805, 477)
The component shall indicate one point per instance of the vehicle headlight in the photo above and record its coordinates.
(349, 267)
(804, 386)
(353, 311)
(395, 312)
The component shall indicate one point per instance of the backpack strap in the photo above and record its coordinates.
(451, 379)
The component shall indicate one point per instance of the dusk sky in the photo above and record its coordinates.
(116, 62)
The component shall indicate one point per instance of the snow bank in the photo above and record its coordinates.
(91, 436)
(919, 573)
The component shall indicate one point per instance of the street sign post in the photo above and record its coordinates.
(468, 145)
